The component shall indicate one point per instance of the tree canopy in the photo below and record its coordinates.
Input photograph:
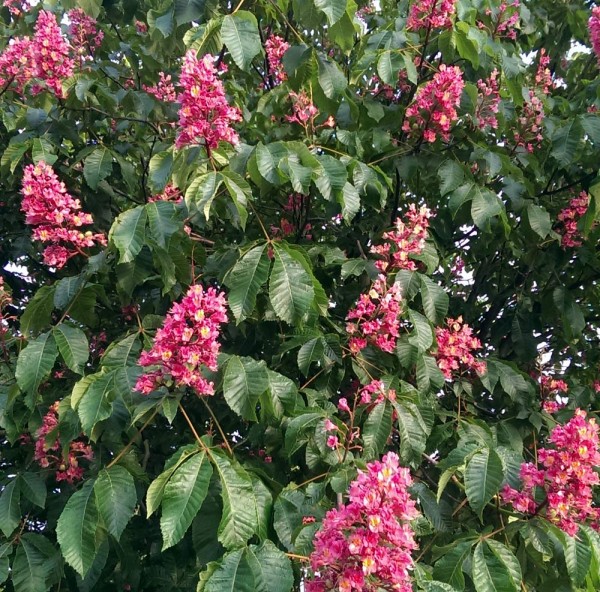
(299, 295)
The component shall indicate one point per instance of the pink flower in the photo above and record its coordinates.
(488, 102)
(594, 27)
(83, 32)
(186, 342)
(455, 345)
(55, 215)
(431, 14)
(504, 20)
(205, 117)
(330, 426)
(17, 7)
(332, 442)
(163, 90)
(567, 477)
(569, 218)
(275, 47)
(303, 110)
(366, 544)
(433, 111)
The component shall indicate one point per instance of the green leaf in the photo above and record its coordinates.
(97, 166)
(76, 529)
(239, 519)
(483, 477)
(183, 497)
(578, 556)
(33, 488)
(159, 169)
(35, 560)
(422, 334)
(240, 192)
(234, 573)
(43, 150)
(435, 300)
(389, 64)
(495, 568)
(282, 393)
(116, 498)
(163, 221)
(350, 201)
(10, 507)
(245, 280)
(73, 346)
(449, 567)
(486, 204)
(451, 176)
(34, 365)
(240, 34)
(311, 351)
(539, 220)
(244, 381)
(38, 312)
(566, 140)
(128, 233)
(333, 9)
(412, 429)
(332, 178)
(267, 160)
(189, 10)
(95, 404)
(202, 191)
(331, 78)
(291, 289)
(377, 429)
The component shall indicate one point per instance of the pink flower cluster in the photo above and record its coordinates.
(455, 347)
(48, 450)
(83, 31)
(375, 318)
(387, 92)
(434, 108)
(55, 215)
(569, 217)
(303, 109)
(375, 392)
(567, 476)
(17, 7)
(163, 90)
(504, 20)
(366, 545)
(488, 102)
(594, 28)
(275, 47)
(552, 388)
(169, 193)
(407, 238)
(431, 14)
(46, 59)
(186, 342)
(205, 117)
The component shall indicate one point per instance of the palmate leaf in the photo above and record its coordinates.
(377, 429)
(95, 402)
(333, 9)
(128, 233)
(115, 498)
(245, 280)
(73, 346)
(244, 381)
(183, 496)
(97, 166)
(76, 529)
(39, 309)
(34, 365)
(240, 516)
(495, 568)
(240, 34)
(10, 507)
(36, 564)
(483, 477)
(290, 287)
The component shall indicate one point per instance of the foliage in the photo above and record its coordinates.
(330, 127)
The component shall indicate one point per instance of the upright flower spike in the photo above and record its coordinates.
(83, 32)
(275, 47)
(433, 111)
(431, 14)
(186, 342)
(594, 28)
(569, 217)
(566, 474)
(455, 346)
(55, 215)
(366, 544)
(205, 117)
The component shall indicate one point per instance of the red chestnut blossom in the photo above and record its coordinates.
(186, 342)
(141, 27)
(569, 217)
(83, 31)
(504, 20)
(17, 7)
(375, 319)
(297, 208)
(205, 117)
(488, 102)
(163, 90)
(49, 450)
(275, 47)
(375, 392)
(407, 238)
(169, 193)
(16, 64)
(455, 345)
(55, 215)
(594, 27)
(431, 14)
(434, 108)
(550, 389)
(366, 544)
(303, 110)
(51, 55)
(566, 474)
